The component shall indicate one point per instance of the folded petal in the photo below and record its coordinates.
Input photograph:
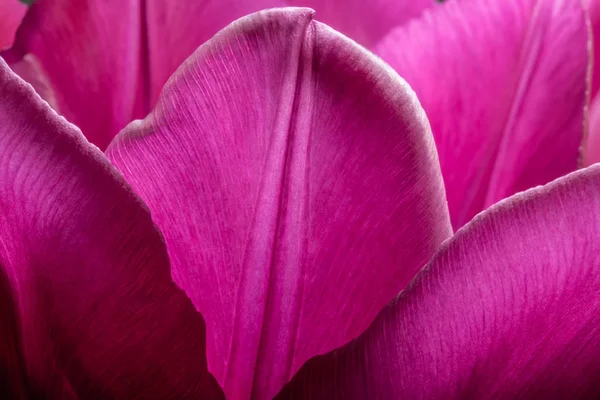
(87, 271)
(108, 60)
(366, 21)
(506, 110)
(508, 309)
(11, 14)
(295, 179)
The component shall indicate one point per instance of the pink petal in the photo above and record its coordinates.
(108, 60)
(507, 310)
(90, 52)
(592, 142)
(593, 7)
(87, 271)
(176, 28)
(592, 145)
(295, 179)
(507, 109)
(30, 70)
(11, 14)
(366, 21)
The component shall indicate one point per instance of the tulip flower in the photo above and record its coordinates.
(108, 61)
(283, 190)
(507, 111)
(317, 204)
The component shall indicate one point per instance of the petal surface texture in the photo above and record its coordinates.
(295, 179)
(366, 21)
(506, 110)
(508, 309)
(86, 270)
(108, 60)
(11, 14)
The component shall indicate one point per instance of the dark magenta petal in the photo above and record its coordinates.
(366, 21)
(295, 179)
(11, 14)
(87, 272)
(12, 366)
(107, 61)
(503, 84)
(508, 309)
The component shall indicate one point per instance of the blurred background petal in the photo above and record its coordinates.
(503, 84)
(11, 14)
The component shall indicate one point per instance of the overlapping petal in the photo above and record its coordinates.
(366, 21)
(11, 14)
(89, 309)
(175, 29)
(295, 179)
(91, 54)
(107, 61)
(503, 84)
(506, 310)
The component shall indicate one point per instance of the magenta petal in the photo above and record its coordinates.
(295, 179)
(507, 310)
(593, 7)
(506, 110)
(175, 29)
(11, 14)
(90, 54)
(12, 368)
(108, 60)
(86, 269)
(366, 21)
(592, 144)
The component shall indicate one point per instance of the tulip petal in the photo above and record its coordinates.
(108, 60)
(506, 110)
(12, 371)
(11, 14)
(593, 7)
(90, 52)
(367, 22)
(175, 29)
(295, 179)
(592, 143)
(88, 272)
(507, 309)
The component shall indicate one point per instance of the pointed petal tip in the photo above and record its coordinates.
(279, 104)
